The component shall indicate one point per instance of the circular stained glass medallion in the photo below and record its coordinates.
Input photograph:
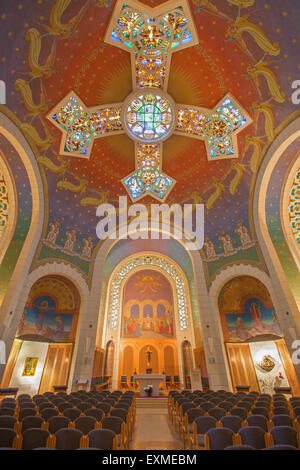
(149, 116)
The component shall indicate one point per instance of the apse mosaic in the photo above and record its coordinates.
(148, 310)
(156, 262)
(247, 310)
(245, 48)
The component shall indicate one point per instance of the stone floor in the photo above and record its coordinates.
(153, 430)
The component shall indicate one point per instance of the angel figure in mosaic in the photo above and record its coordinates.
(242, 25)
(254, 71)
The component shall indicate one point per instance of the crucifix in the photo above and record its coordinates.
(148, 355)
(149, 114)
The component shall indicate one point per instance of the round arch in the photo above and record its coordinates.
(12, 209)
(284, 214)
(62, 270)
(9, 128)
(285, 299)
(204, 312)
(219, 282)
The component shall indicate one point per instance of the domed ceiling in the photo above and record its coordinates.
(247, 48)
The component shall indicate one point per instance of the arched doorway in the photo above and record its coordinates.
(42, 350)
(255, 346)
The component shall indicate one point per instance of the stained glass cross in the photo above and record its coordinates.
(149, 115)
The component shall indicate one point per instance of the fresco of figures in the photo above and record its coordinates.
(148, 306)
(68, 242)
(229, 248)
(247, 310)
(42, 322)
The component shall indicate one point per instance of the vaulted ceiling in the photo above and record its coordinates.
(246, 47)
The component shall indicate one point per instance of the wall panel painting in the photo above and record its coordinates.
(254, 320)
(247, 310)
(148, 309)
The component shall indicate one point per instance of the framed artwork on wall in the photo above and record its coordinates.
(30, 366)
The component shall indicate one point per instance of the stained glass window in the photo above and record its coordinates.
(294, 208)
(149, 117)
(3, 204)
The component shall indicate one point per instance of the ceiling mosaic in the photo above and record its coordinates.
(245, 48)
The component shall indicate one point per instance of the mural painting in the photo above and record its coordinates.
(50, 313)
(42, 322)
(249, 312)
(148, 306)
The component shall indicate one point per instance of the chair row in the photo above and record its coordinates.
(63, 439)
(206, 436)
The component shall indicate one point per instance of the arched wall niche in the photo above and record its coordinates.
(112, 329)
(9, 206)
(204, 312)
(71, 277)
(252, 332)
(16, 276)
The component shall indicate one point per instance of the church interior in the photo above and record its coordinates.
(117, 333)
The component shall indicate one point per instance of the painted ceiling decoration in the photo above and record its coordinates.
(149, 115)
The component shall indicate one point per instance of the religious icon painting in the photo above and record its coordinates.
(30, 366)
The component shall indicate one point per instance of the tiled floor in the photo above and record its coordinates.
(154, 432)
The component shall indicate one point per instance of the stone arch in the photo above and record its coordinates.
(286, 306)
(115, 294)
(62, 270)
(9, 128)
(12, 207)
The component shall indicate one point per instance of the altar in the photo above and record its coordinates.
(149, 379)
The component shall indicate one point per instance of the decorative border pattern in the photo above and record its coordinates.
(148, 260)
